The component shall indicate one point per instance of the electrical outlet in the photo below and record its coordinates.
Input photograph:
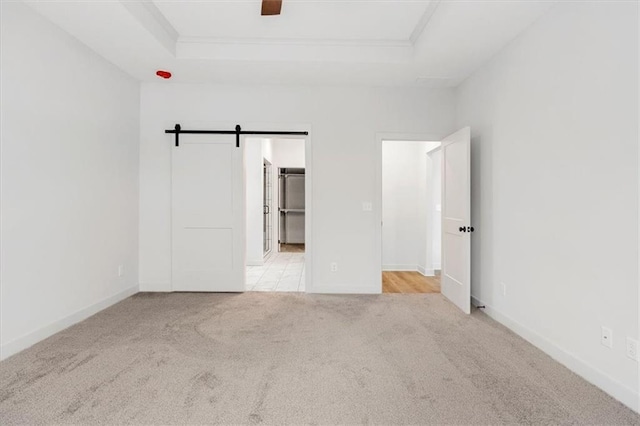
(632, 349)
(367, 206)
(334, 267)
(606, 337)
(503, 286)
(120, 270)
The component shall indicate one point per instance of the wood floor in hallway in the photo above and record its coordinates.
(409, 282)
(291, 248)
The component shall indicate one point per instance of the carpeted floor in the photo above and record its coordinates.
(278, 358)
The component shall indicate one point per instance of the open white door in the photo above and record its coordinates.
(456, 219)
(207, 214)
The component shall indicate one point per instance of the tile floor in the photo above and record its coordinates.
(280, 272)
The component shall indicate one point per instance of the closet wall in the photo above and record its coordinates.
(291, 205)
(282, 153)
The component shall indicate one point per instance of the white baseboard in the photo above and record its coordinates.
(21, 343)
(426, 272)
(399, 268)
(409, 268)
(622, 393)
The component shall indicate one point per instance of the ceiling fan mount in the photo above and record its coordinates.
(271, 7)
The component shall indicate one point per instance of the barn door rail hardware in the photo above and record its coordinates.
(178, 130)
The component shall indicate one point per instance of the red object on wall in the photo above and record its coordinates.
(163, 74)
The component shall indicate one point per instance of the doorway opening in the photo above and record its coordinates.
(411, 219)
(276, 193)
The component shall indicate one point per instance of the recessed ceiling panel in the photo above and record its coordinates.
(317, 20)
(457, 38)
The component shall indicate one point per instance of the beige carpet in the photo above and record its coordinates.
(293, 358)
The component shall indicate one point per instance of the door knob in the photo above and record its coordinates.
(462, 229)
(471, 229)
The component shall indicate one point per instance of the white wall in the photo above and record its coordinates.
(70, 130)
(253, 168)
(287, 152)
(267, 149)
(343, 124)
(403, 231)
(435, 180)
(430, 189)
(555, 187)
(407, 198)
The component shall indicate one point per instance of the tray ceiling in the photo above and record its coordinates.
(299, 20)
(434, 43)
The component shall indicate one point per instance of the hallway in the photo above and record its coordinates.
(409, 282)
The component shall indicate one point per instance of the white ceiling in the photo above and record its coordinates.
(435, 43)
(300, 20)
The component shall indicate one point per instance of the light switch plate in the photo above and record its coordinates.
(367, 206)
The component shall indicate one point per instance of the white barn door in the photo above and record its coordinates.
(207, 214)
(456, 219)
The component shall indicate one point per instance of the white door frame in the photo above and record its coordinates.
(290, 127)
(377, 204)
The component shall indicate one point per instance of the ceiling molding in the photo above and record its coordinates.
(296, 42)
(424, 21)
(294, 52)
(150, 17)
